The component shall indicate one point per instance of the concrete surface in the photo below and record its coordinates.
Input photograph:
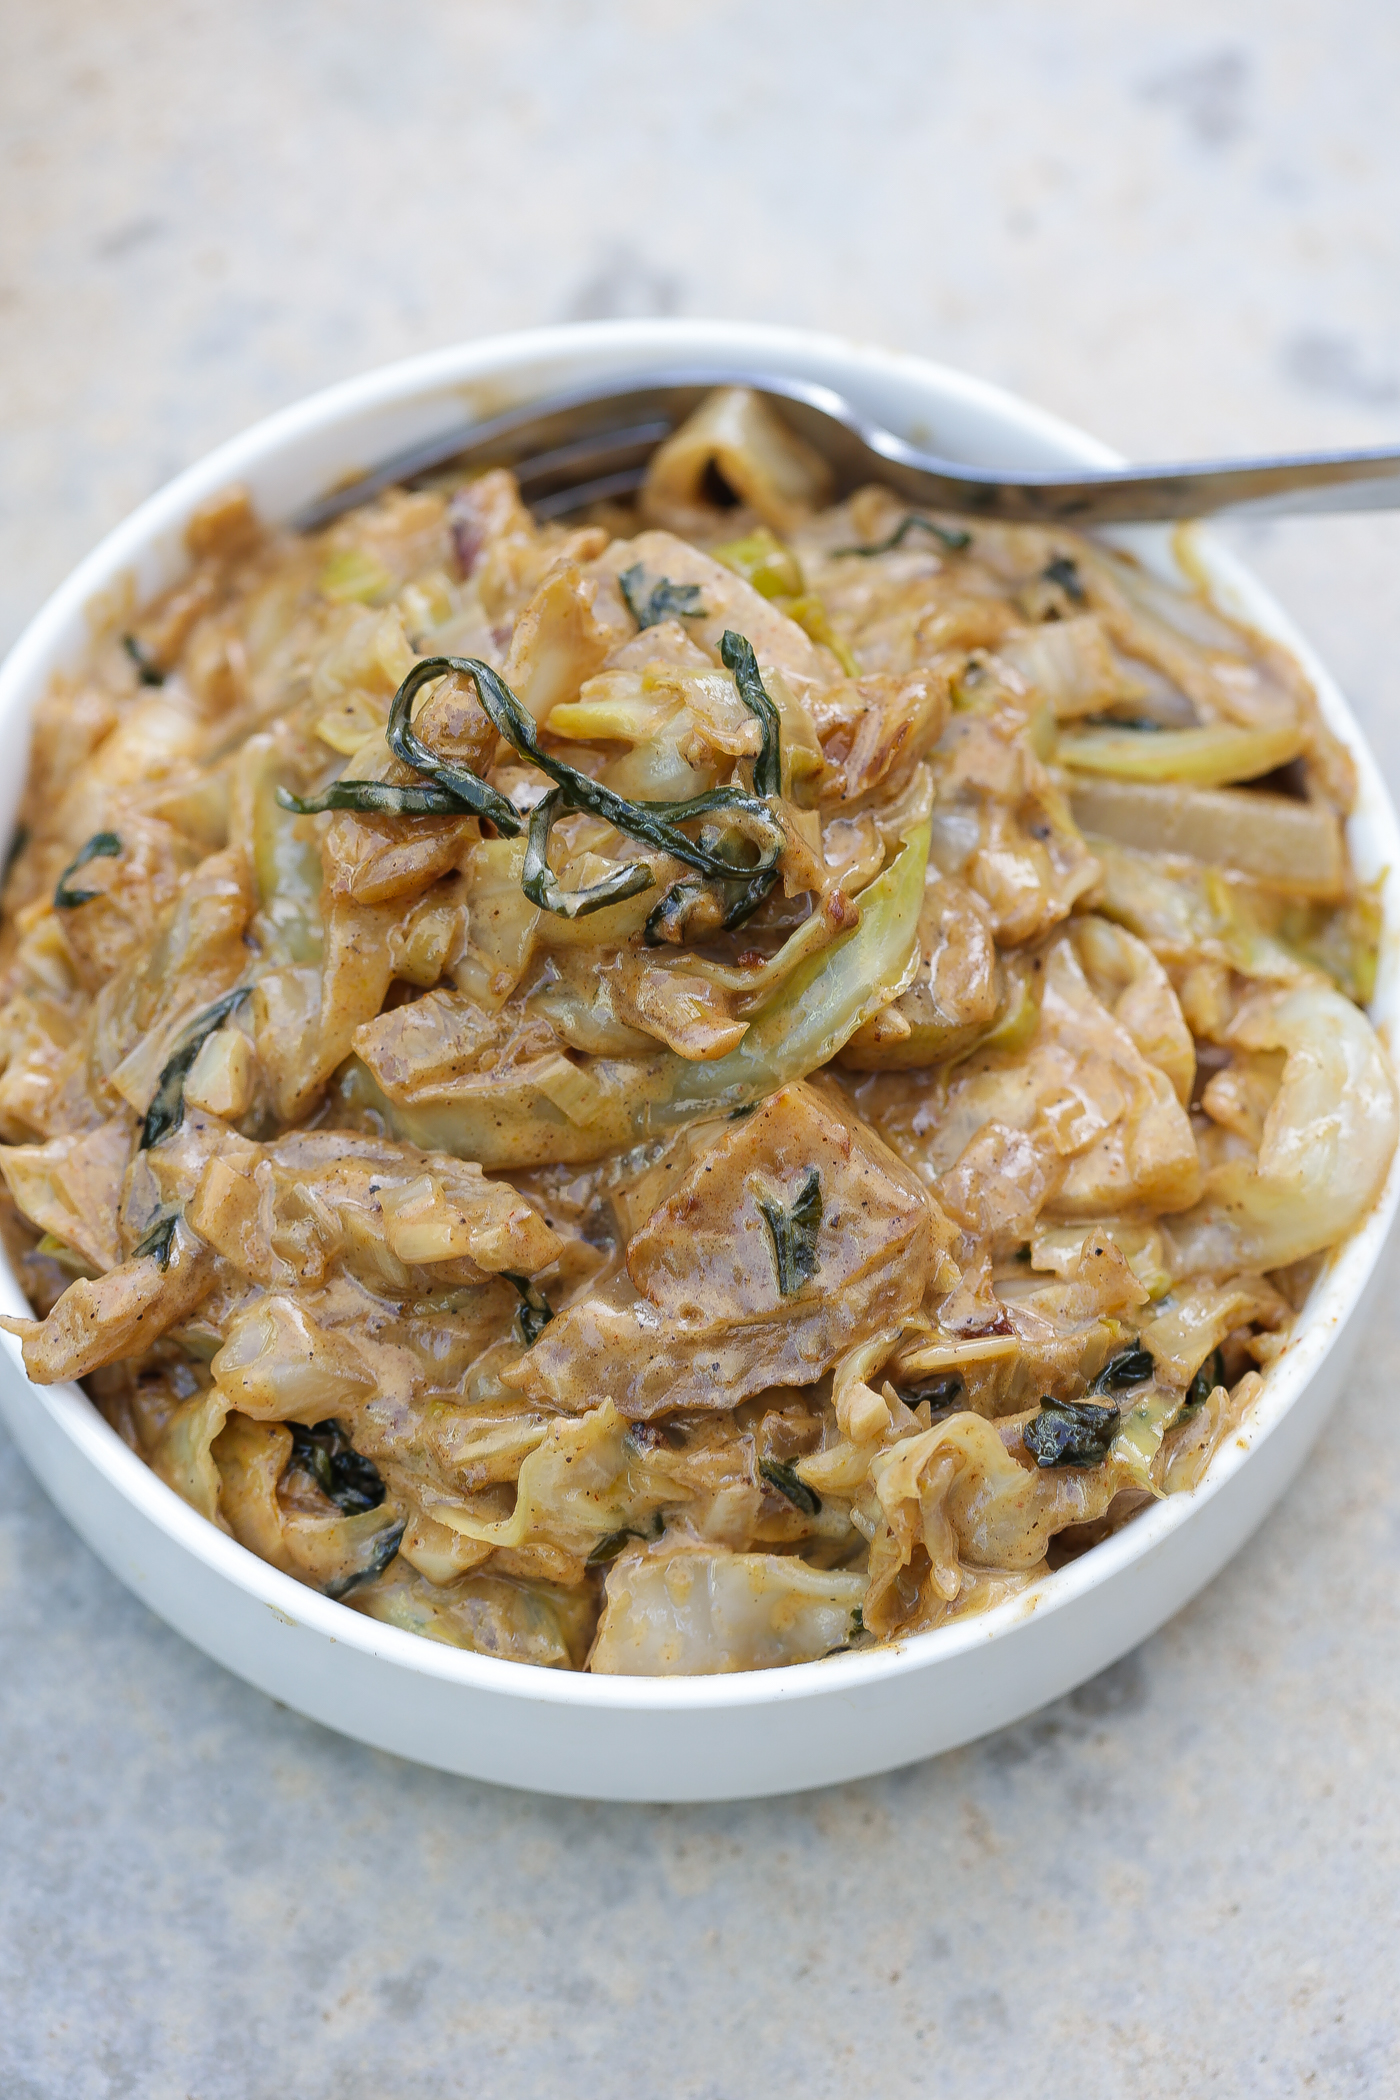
(1176, 223)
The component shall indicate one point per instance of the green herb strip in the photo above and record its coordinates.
(785, 1480)
(159, 1241)
(727, 901)
(608, 1548)
(456, 790)
(17, 846)
(385, 1547)
(380, 796)
(719, 906)
(149, 672)
(736, 654)
(1141, 725)
(952, 536)
(167, 1109)
(665, 601)
(944, 1395)
(473, 796)
(1065, 572)
(1071, 1433)
(1132, 1367)
(352, 1483)
(542, 887)
(535, 1312)
(794, 1234)
(103, 845)
(1210, 1375)
(653, 823)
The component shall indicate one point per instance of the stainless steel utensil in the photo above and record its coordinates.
(577, 448)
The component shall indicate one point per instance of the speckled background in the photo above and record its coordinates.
(1179, 224)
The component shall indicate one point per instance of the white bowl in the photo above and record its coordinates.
(659, 1739)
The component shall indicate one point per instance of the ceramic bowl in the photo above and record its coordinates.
(657, 1739)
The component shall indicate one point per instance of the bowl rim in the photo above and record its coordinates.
(48, 644)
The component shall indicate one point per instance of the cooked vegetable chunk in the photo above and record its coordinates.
(721, 1306)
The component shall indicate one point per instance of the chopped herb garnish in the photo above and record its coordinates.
(17, 846)
(1210, 1375)
(455, 788)
(472, 795)
(535, 1311)
(167, 1108)
(690, 912)
(103, 845)
(794, 1234)
(351, 1482)
(952, 536)
(857, 1623)
(608, 1548)
(159, 1240)
(542, 887)
(654, 823)
(615, 1542)
(698, 910)
(1071, 1433)
(386, 1545)
(1061, 569)
(665, 600)
(785, 1480)
(1142, 724)
(944, 1395)
(1131, 1367)
(374, 795)
(694, 911)
(147, 669)
(736, 654)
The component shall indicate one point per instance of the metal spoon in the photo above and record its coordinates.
(577, 448)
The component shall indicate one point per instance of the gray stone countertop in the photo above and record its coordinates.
(1177, 224)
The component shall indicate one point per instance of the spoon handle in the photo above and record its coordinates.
(1302, 483)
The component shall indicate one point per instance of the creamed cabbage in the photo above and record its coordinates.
(689, 1090)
